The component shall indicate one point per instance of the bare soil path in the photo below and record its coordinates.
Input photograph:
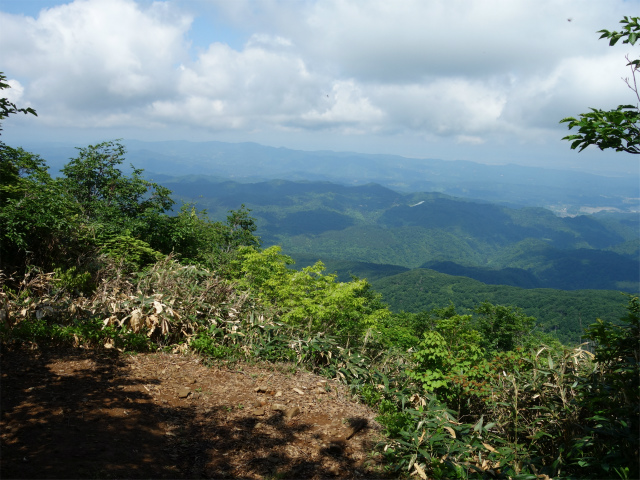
(76, 413)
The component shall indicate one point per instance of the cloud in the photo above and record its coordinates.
(470, 140)
(468, 71)
(407, 40)
(228, 89)
(95, 54)
(568, 89)
(444, 106)
(347, 106)
(15, 92)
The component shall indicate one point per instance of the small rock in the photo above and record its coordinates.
(261, 389)
(278, 407)
(291, 412)
(297, 390)
(278, 394)
(258, 411)
(320, 391)
(184, 392)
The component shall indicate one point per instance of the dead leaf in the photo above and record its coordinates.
(451, 431)
(489, 447)
(165, 326)
(152, 321)
(135, 320)
(158, 307)
(419, 471)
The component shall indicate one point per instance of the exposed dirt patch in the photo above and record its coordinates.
(100, 414)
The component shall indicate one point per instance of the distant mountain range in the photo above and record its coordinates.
(500, 237)
(565, 192)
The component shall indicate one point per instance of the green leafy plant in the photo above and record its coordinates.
(133, 252)
(9, 108)
(72, 280)
(610, 398)
(617, 129)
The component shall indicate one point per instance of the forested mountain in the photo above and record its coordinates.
(559, 312)
(566, 192)
(528, 247)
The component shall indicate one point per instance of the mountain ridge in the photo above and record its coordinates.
(565, 191)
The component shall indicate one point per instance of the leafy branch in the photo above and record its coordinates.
(8, 108)
(617, 129)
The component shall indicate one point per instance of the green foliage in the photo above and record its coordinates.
(40, 224)
(611, 398)
(630, 32)
(190, 234)
(617, 129)
(109, 198)
(72, 280)
(450, 360)
(132, 251)
(240, 231)
(97, 208)
(400, 331)
(195, 239)
(561, 313)
(207, 345)
(309, 298)
(431, 357)
(503, 328)
(8, 108)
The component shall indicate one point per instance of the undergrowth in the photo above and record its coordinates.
(539, 413)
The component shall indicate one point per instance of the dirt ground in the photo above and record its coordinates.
(76, 413)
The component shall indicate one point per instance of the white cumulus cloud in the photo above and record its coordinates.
(471, 72)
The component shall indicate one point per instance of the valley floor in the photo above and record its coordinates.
(101, 414)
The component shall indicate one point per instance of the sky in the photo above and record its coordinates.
(480, 80)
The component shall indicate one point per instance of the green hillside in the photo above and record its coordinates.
(560, 312)
(528, 247)
(565, 313)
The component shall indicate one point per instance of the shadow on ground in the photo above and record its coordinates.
(83, 414)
